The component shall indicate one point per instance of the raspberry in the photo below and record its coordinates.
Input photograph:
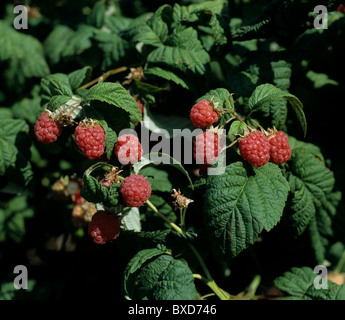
(280, 149)
(90, 138)
(135, 190)
(255, 148)
(46, 129)
(203, 114)
(103, 227)
(128, 149)
(207, 147)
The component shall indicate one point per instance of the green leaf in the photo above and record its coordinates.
(155, 31)
(79, 77)
(221, 96)
(137, 261)
(94, 191)
(24, 54)
(10, 133)
(57, 101)
(166, 278)
(79, 42)
(160, 178)
(113, 46)
(299, 285)
(115, 95)
(237, 128)
(239, 205)
(184, 52)
(266, 93)
(313, 202)
(56, 42)
(110, 138)
(320, 79)
(167, 75)
(12, 219)
(97, 15)
(55, 85)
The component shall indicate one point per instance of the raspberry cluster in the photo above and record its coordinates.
(258, 149)
(89, 136)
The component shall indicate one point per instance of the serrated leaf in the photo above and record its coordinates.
(115, 95)
(167, 75)
(24, 54)
(93, 191)
(57, 101)
(266, 93)
(299, 285)
(137, 261)
(166, 278)
(97, 15)
(238, 206)
(56, 42)
(237, 128)
(80, 41)
(12, 219)
(221, 96)
(155, 31)
(312, 186)
(180, 58)
(54, 85)
(301, 206)
(110, 138)
(160, 178)
(10, 131)
(78, 77)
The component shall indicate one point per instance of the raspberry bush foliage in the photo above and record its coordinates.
(96, 98)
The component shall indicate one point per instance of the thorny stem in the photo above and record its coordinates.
(103, 77)
(208, 280)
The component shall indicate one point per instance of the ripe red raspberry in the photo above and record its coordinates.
(103, 227)
(90, 138)
(203, 114)
(128, 149)
(46, 129)
(207, 147)
(255, 148)
(135, 190)
(280, 149)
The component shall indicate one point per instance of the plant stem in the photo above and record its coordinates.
(253, 286)
(340, 264)
(208, 280)
(173, 225)
(103, 77)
